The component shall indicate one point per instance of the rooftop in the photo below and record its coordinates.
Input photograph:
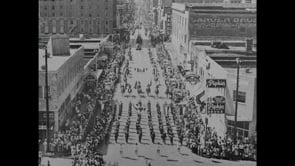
(88, 43)
(243, 71)
(222, 5)
(54, 62)
(87, 39)
(235, 49)
(94, 45)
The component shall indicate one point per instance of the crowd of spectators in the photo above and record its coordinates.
(88, 153)
(74, 130)
(192, 131)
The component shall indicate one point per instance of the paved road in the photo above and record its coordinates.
(147, 150)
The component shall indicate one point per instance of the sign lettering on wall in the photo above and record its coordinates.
(215, 83)
(222, 25)
(216, 105)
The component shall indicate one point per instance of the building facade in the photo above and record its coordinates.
(206, 93)
(65, 73)
(73, 17)
(247, 113)
(211, 21)
(207, 65)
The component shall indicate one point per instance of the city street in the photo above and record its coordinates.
(147, 83)
(168, 154)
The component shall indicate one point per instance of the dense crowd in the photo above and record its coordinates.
(84, 131)
(190, 126)
(73, 131)
(88, 154)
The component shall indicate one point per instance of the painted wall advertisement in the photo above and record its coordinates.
(222, 25)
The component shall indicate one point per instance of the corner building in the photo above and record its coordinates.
(65, 71)
(74, 17)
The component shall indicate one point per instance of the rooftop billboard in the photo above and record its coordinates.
(222, 25)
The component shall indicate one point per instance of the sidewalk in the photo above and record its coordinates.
(56, 161)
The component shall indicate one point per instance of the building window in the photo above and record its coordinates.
(106, 22)
(45, 7)
(48, 92)
(61, 7)
(81, 7)
(53, 14)
(53, 7)
(246, 134)
(241, 96)
(61, 14)
(41, 92)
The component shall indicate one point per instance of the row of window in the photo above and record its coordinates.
(64, 106)
(42, 92)
(65, 0)
(179, 27)
(69, 76)
(240, 124)
(241, 133)
(62, 14)
(241, 96)
(81, 7)
(83, 26)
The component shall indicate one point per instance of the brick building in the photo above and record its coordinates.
(210, 21)
(73, 17)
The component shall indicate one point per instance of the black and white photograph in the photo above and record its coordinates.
(147, 83)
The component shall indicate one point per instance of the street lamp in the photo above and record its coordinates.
(237, 92)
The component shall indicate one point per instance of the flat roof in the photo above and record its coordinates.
(233, 51)
(224, 5)
(242, 71)
(231, 48)
(86, 39)
(54, 62)
(88, 45)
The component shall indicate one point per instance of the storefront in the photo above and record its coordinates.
(242, 129)
(43, 124)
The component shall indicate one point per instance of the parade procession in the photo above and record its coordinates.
(140, 103)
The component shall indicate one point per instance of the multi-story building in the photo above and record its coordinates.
(224, 60)
(240, 1)
(165, 12)
(210, 21)
(65, 70)
(73, 17)
(247, 113)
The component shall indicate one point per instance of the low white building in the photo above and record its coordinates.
(218, 63)
(65, 71)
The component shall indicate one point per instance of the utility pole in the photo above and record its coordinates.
(236, 107)
(47, 102)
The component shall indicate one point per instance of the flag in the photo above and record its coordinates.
(229, 104)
